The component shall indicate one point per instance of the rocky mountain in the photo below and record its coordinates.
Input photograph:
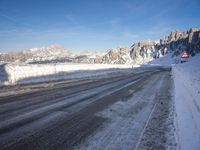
(51, 54)
(34, 55)
(47, 54)
(175, 43)
(119, 55)
(86, 57)
(14, 56)
(145, 51)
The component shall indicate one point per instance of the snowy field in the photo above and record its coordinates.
(187, 103)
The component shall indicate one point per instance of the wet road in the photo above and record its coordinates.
(112, 112)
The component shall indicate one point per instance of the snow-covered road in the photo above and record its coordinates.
(122, 111)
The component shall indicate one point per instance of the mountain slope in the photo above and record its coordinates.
(119, 55)
(53, 52)
(50, 54)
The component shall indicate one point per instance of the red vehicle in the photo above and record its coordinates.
(184, 57)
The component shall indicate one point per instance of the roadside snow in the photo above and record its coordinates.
(187, 103)
(34, 73)
(165, 60)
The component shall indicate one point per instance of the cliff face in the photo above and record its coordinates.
(116, 56)
(145, 51)
(178, 41)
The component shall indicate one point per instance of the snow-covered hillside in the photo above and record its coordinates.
(187, 103)
(53, 52)
(165, 60)
(41, 54)
(86, 57)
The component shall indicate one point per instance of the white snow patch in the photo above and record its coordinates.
(33, 73)
(187, 103)
(165, 60)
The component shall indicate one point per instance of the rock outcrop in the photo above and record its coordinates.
(145, 50)
(119, 55)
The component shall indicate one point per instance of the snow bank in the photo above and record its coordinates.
(187, 103)
(30, 73)
(165, 60)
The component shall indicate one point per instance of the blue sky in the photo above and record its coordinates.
(91, 24)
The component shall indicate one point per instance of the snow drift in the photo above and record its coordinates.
(187, 103)
(33, 73)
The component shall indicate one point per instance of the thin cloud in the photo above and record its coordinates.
(3, 32)
(14, 20)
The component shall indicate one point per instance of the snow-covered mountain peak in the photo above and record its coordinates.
(47, 51)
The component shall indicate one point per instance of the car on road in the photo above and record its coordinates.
(184, 56)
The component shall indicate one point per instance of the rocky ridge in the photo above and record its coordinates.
(175, 43)
(119, 55)
(147, 51)
(42, 54)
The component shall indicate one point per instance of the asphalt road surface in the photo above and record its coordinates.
(120, 111)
